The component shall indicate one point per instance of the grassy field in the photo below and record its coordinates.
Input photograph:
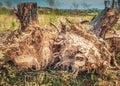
(10, 76)
(8, 21)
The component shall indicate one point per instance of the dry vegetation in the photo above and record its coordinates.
(72, 47)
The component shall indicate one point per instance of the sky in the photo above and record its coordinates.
(64, 4)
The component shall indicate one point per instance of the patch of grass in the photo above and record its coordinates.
(13, 24)
(8, 22)
(1, 55)
(10, 76)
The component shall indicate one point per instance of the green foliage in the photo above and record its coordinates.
(118, 55)
(8, 3)
(51, 3)
(116, 26)
(1, 55)
(53, 19)
(12, 25)
(75, 5)
(68, 12)
(118, 58)
(1, 4)
(4, 11)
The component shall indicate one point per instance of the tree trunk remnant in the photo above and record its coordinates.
(119, 4)
(113, 3)
(104, 21)
(26, 13)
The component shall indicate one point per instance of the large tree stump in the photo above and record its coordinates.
(26, 13)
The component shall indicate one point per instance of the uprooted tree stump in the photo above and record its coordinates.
(38, 47)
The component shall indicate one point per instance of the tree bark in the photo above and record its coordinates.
(119, 4)
(113, 3)
(104, 21)
(26, 13)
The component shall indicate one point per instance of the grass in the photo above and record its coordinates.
(46, 19)
(10, 76)
(8, 22)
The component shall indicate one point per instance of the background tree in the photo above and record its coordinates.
(8, 4)
(86, 5)
(118, 4)
(107, 3)
(75, 5)
(51, 3)
(1, 4)
(113, 3)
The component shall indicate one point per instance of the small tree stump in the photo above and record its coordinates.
(26, 13)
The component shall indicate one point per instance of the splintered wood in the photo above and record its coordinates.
(83, 51)
(37, 48)
(104, 21)
(33, 48)
(76, 48)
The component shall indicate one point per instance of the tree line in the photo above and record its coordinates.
(112, 3)
(52, 4)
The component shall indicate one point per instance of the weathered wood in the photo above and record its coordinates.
(113, 3)
(104, 21)
(114, 44)
(26, 13)
(119, 4)
(107, 3)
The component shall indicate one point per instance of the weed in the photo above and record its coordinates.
(13, 24)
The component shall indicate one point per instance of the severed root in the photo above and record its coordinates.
(68, 21)
(115, 62)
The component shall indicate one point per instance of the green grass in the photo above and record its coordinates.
(8, 21)
(10, 76)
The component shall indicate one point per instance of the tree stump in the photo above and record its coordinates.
(26, 13)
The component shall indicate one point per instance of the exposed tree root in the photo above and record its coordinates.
(78, 49)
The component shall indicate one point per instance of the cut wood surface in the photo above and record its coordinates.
(75, 47)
